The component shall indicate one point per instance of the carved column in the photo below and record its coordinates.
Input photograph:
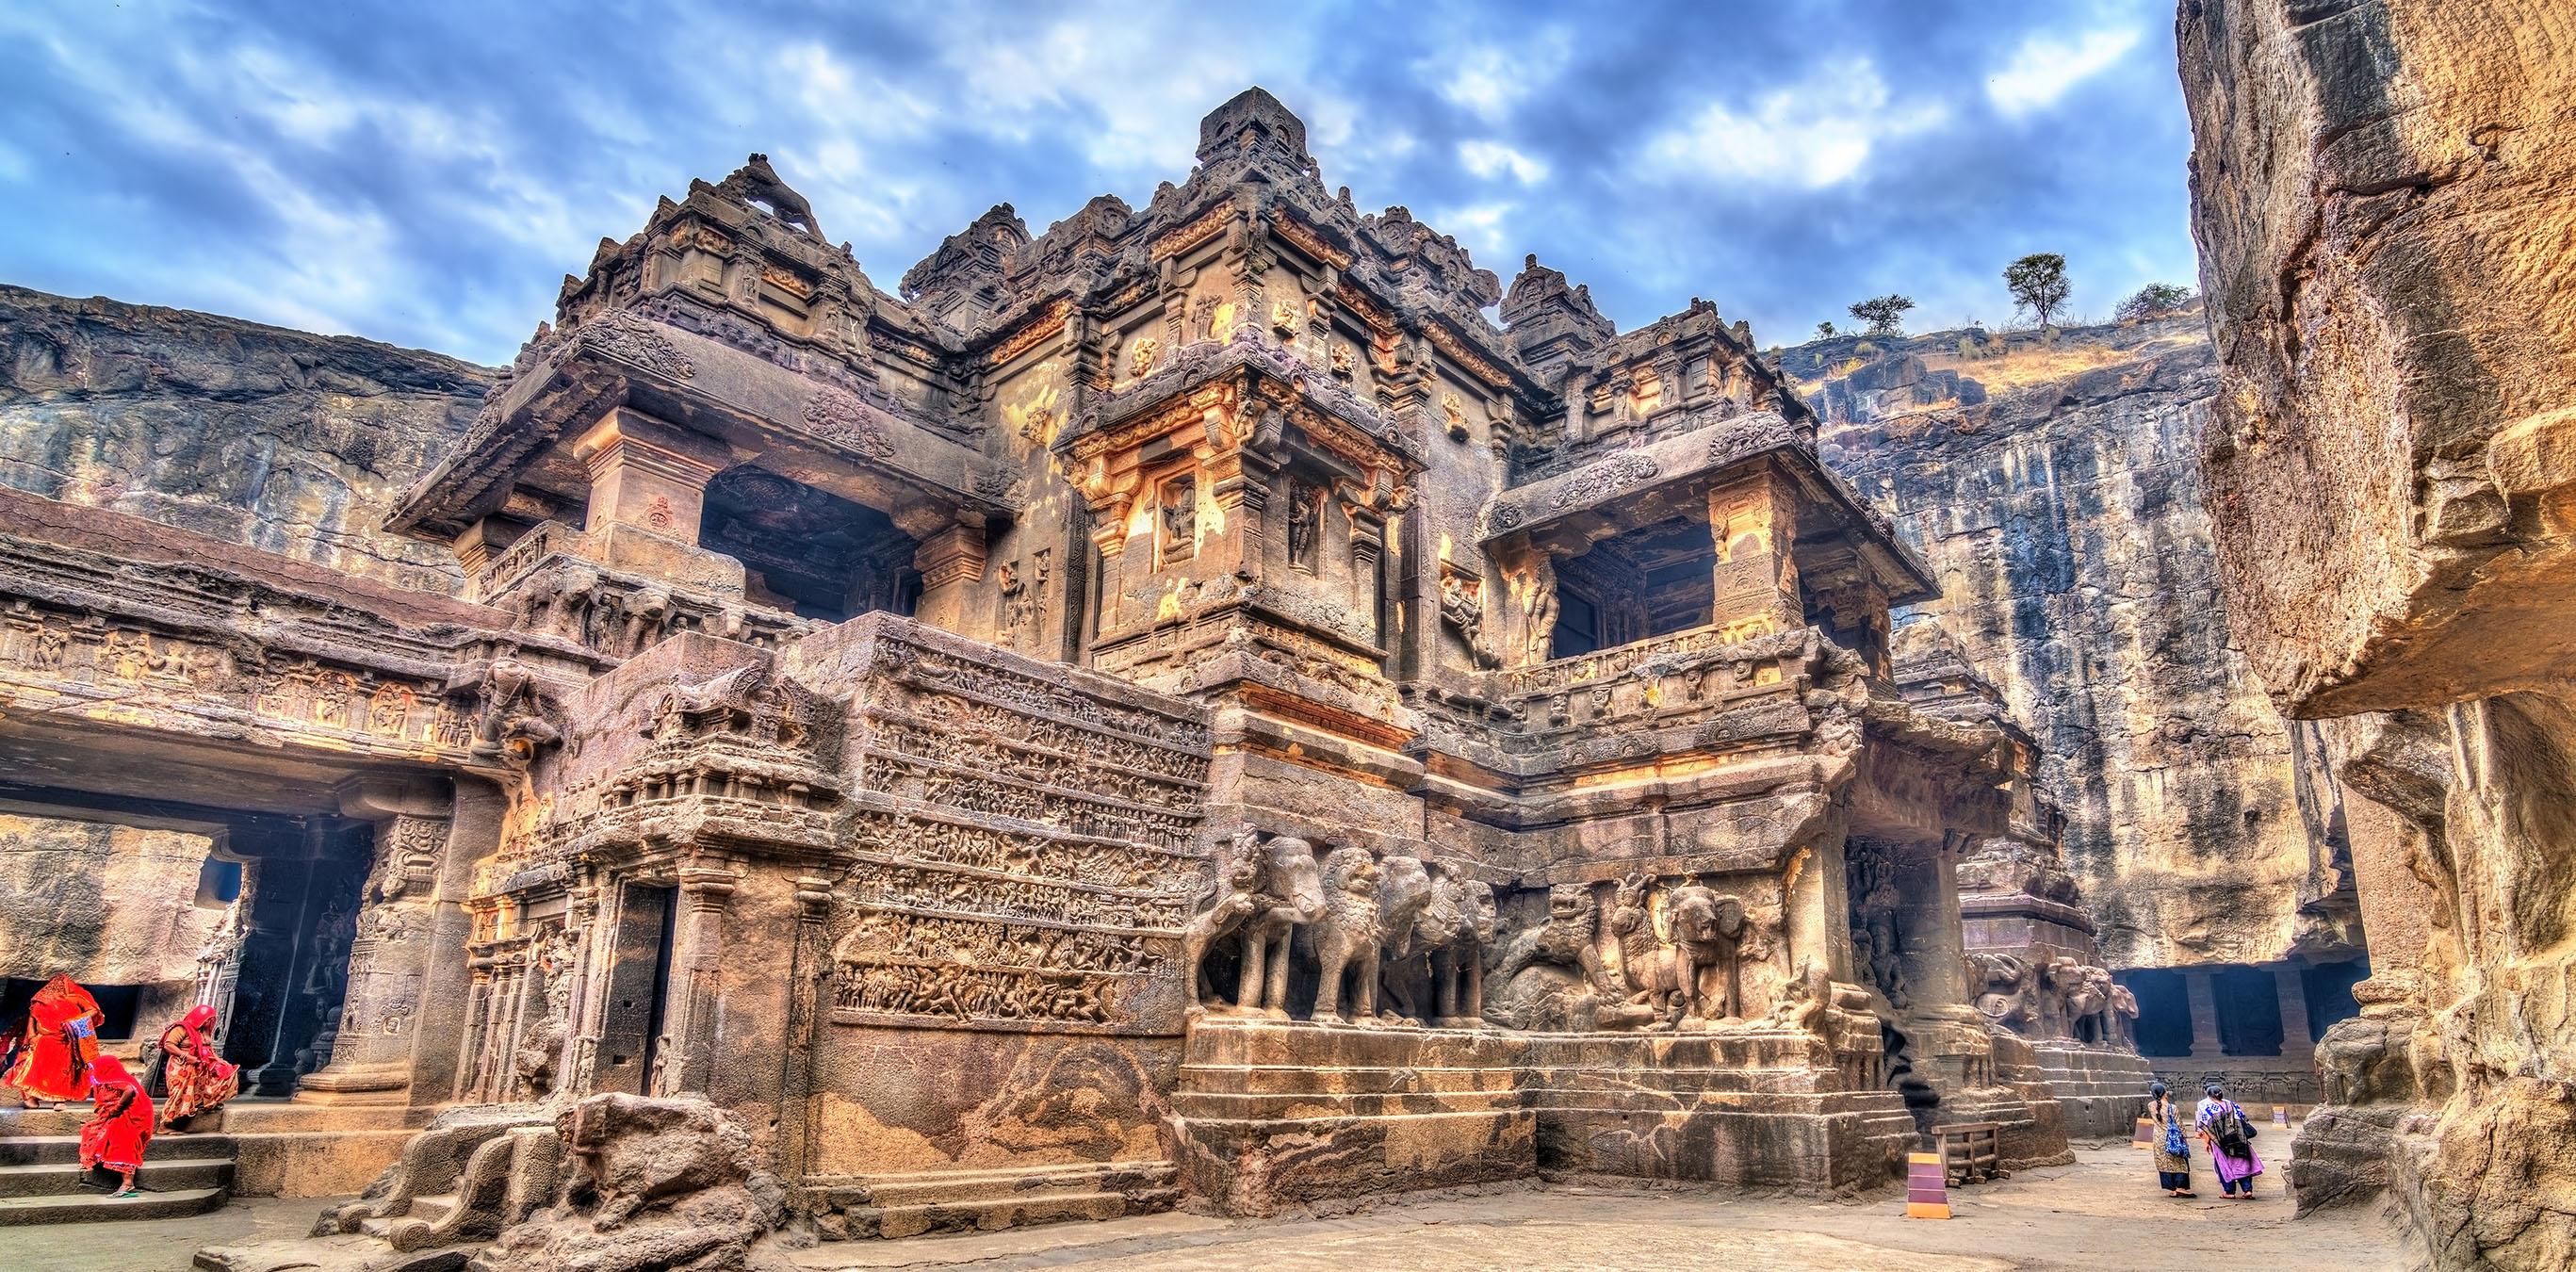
(685, 1056)
(951, 557)
(648, 474)
(1752, 520)
(390, 952)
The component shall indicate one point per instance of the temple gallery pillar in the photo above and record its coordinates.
(685, 1055)
(392, 943)
(648, 474)
(1752, 521)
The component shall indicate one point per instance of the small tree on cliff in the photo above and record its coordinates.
(2154, 301)
(2038, 283)
(1884, 314)
(1824, 331)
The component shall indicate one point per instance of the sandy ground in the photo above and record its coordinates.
(2103, 1212)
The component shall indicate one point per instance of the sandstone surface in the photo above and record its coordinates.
(2383, 196)
(284, 440)
(2049, 478)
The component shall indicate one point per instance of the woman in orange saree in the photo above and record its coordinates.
(196, 1078)
(62, 1040)
(119, 1126)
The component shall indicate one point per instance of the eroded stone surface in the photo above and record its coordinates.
(2381, 196)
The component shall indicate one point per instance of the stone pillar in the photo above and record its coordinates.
(684, 1058)
(950, 557)
(1818, 905)
(1753, 520)
(2293, 992)
(2200, 985)
(648, 474)
(389, 954)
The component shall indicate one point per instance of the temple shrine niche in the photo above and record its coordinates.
(1180, 709)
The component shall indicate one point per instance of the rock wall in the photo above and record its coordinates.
(2384, 193)
(2049, 479)
(110, 905)
(286, 441)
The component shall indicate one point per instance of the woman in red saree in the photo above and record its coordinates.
(195, 1077)
(120, 1125)
(62, 1025)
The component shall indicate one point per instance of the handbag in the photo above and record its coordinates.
(2174, 1143)
(2244, 1126)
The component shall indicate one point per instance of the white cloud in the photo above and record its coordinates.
(2045, 66)
(1488, 158)
(1813, 134)
(1489, 79)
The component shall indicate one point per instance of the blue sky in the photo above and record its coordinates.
(425, 174)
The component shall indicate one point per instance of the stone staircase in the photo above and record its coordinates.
(911, 1205)
(41, 1181)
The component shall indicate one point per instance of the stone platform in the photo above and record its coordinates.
(1276, 1116)
(2101, 1091)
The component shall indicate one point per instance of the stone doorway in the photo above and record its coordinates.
(807, 550)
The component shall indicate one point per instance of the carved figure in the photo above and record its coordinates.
(1235, 900)
(1293, 882)
(756, 182)
(2003, 988)
(1806, 1003)
(1708, 932)
(2124, 1018)
(1414, 916)
(1140, 360)
(1564, 938)
(1458, 963)
(1538, 613)
(1345, 938)
(1304, 512)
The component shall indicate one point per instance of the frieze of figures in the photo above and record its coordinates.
(1067, 772)
(984, 792)
(964, 717)
(305, 695)
(1109, 863)
(903, 884)
(929, 667)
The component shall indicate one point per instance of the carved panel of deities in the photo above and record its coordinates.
(1023, 853)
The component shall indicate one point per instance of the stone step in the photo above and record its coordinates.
(49, 1150)
(911, 1205)
(1219, 1104)
(1231, 1079)
(991, 1216)
(99, 1207)
(65, 1179)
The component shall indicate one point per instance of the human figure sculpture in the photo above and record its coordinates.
(1649, 966)
(1458, 964)
(1346, 937)
(1292, 884)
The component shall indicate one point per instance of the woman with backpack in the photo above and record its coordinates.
(2230, 1135)
(2173, 1152)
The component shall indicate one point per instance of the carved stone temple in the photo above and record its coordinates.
(1178, 710)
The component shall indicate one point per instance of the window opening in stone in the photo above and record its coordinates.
(219, 883)
(1578, 625)
(809, 551)
(2164, 1011)
(2249, 1011)
(2328, 988)
(1636, 586)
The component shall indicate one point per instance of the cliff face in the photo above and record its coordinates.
(2050, 481)
(2384, 192)
(285, 441)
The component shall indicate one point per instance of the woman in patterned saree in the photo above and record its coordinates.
(195, 1078)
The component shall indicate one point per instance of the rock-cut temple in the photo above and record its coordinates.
(1179, 710)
